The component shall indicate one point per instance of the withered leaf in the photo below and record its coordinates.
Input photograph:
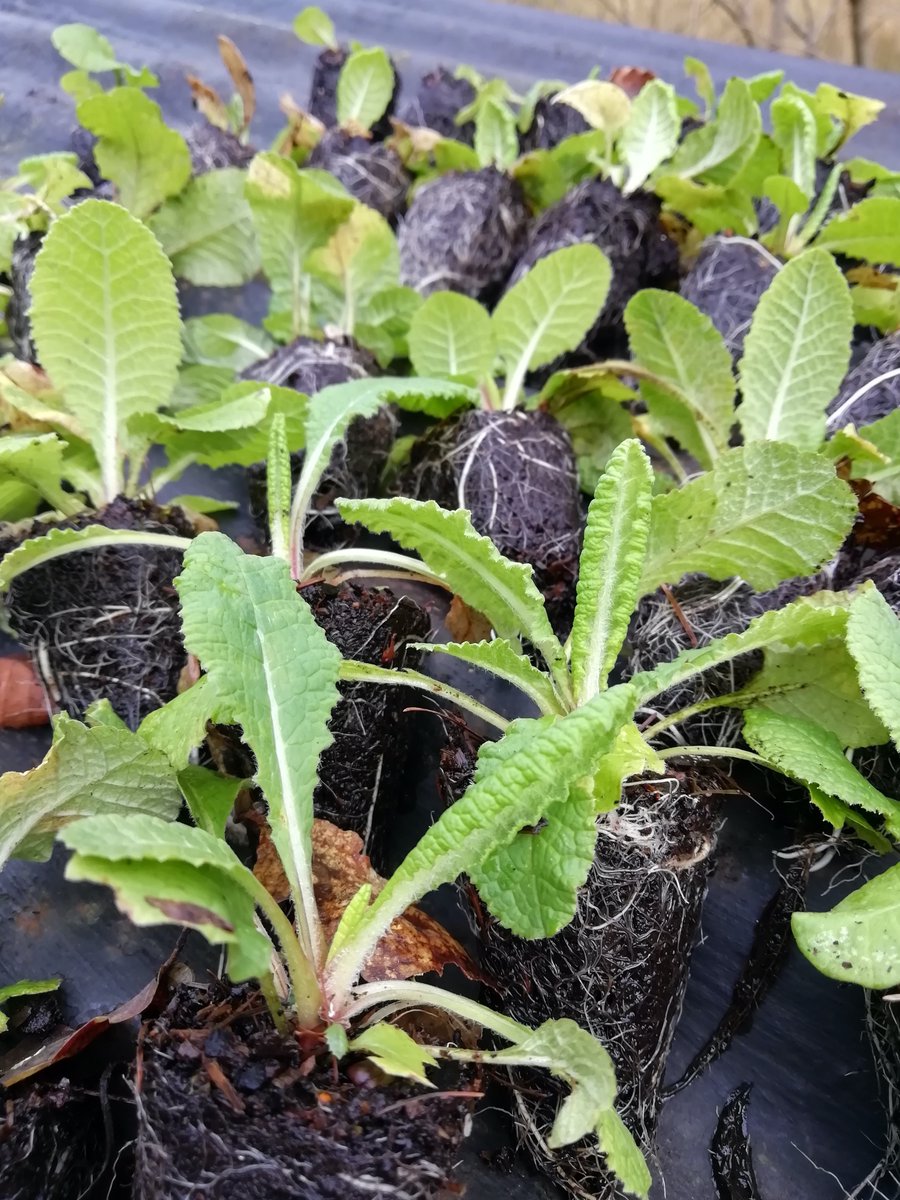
(208, 102)
(631, 79)
(466, 624)
(236, 66)
(23, 702)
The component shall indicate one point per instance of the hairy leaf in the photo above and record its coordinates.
(179, 727)
(365, 87)
(622, 1153)
(651, 134)
(501, 658)
(604, 105)
(609, 573)
(58, 542)
(870, 230)
(858, 941)
(207, 231)
(873, 638)
(838, 814)
(589, 403)
(85, 771)
(796, 352)
(451, 335)
(766, 512)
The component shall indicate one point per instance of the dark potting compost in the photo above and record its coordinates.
(726, 281)
(323, 91)
(440, 95)
(550, 124)
(370, 171)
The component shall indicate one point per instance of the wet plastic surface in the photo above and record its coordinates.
(814, 1118)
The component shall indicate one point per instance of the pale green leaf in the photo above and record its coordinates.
(469, 563)
(145, 159)
(858, 941)
(604, 105)
(852, 111)
(496, 139)
(873, 638)
(360, 260)
(630, 755)
(395, 1052)
(101, 712)
(679, 344)
(79, 85)
(198, 384)
(223, 340)
(53, 176)
(37, 462)
(610, 567)
(590, 403)
(207, 231)
(878, 306)
(451, 335)
(25, 987)
(278, 487)
(315, 28)
(106, 324)
(209, 796)
(766, 512)
(40, 550)
(699, 72)
(796, 352)
(838, 814)
(85, 48)
(549, 310)
(807, 753)
(501, 658)
(336, 1040)
(179, 727)
(764, 84)
(365, 87)
(718, 151)
(203, 505)
(794, 133)
(710, 208)
(651, 134)
(85, 771)
(870, 230)
(623, 1156)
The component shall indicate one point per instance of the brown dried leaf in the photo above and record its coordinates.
(208, 102)
(631, 79)
(879, 523)
(23, 701)
(466, 624)
(237, 68)
(267, 868)
(220, 1080)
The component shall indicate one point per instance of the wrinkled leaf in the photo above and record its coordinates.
(873, 638)
(451, 335)
(207, 231)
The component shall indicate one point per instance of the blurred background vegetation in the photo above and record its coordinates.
(864, 32)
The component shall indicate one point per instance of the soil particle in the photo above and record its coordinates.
(104, 622)
(18, 324)
(551, 124)
(621, 967)
(212, 148)
(627, 230)
(880, 400)
(323, 91)
(438, 98)
(516, 474)
(370, 171)
(357, 463)
(730, 1152)
(229, 1109)
(726, 282)
(463, 233)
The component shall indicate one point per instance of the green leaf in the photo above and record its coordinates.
(278, 488)
(623, 1156)
(85, 771)
(549, 310)
(796, 352)
(766, 512)
(604, 105)
(393, 1051)
(680, 345)
(870, 230)
(207, 231)
(878, 306)
(315, 28)
(294, 212)
(630, 755)
(853, 112)
(85, 48)
(38, 462)
(79, 85)
(873, 639)
(25, 987)
(794, 133)
(106, 325)
(610, 567)
(858, 941)
(451, 335)
(651, 135)
(274, 672)
(709, 207)
(179, 727)
(163, 873)
(838, 814)
(365, 87)
(699, 72)
(589, 403)
(469, 563)
(496, 139)
(764, 84)
(807, 753)
(336, 1040)
(360, 260)
(40, 550)
(210, 797)
(718, 151)
(53, 177)
(791, 202)
(136, 150)
(223, 340)
(501, 658)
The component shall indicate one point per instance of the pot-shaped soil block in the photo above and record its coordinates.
(24, 252)
(439, 96)
(621, 967)
(726, 281)
(323, 91)
(550, 125)
(213, 148)
(357, 463)
(369, 170)
(516, 474)
(848, 407)
(694, 613)
(464, 233)
(104, 622)
(627, 230)
(231, 1109)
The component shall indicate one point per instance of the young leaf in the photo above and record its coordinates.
(804, 751)
(315, 28)
(179, 727)
(393, 1051)
(58, 542)
(451, 335)
(549, 311)
(838, 814)
(678, 343)
(622, 1153)
(870, 230)
(364, 88)
(469, 563)
(858, 941)
(274, 672)
(360, 260)
(796, 352)
(615, 545)
(210, 797)
(589, 403)
(223, 340)
(873, 638)
(207, 231)
(278, 488)
(651, 135)
(794, 133)
(106, 325)
(38, 463)
(699, 72)
(766, 512)
(718, 151)
(85, 48)
(86, 771)
(604, 105)
(25, 987)
(136, 150)
(496, 140)
(501, 658)
(163, 873)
